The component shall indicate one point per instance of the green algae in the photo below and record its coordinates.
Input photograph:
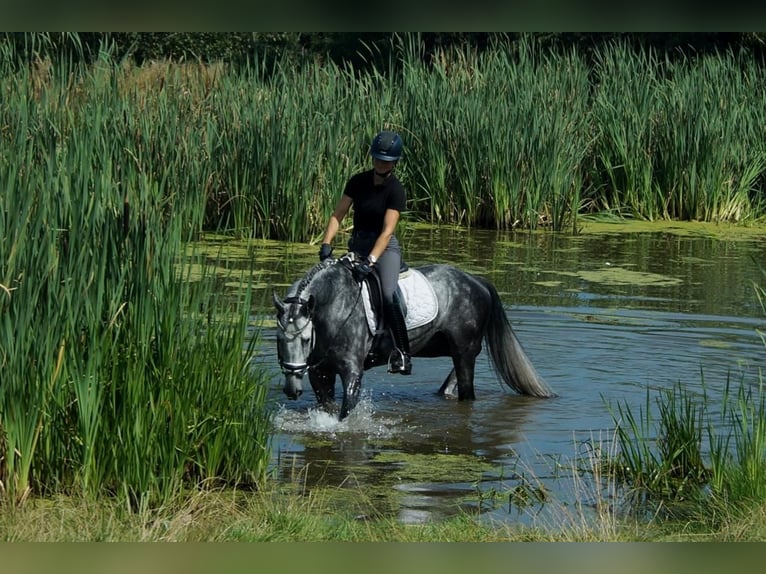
(436, 467)
(614, 275)
(723, 231)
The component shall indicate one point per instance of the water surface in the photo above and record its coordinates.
(605, 317)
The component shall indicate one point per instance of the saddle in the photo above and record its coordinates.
(414, 294)
(375, 293)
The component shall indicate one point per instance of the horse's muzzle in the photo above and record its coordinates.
(293, 388)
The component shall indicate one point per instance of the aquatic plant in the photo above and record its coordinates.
(119, 374)
(691, 454)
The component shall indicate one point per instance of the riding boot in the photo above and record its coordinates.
(399, 359)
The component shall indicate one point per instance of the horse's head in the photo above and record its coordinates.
(295, 340)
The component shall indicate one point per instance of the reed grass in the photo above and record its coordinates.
(709, 164)
(512, 137)
(501, 135)
(690, 454)
(625, 116)
(666, 464)
(739, 457)
(120, 376)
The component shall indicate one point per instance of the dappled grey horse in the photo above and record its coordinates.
(324, 329)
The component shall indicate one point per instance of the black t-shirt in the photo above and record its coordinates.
(371, 201)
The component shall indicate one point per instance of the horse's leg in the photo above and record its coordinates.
(323, 384)
(449, 385)
(352, 385)
(464, 370)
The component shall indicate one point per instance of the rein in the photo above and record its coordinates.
(300, 369)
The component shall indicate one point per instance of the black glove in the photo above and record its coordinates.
(362, 270)
(325, 251)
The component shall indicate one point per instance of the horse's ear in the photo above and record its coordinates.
(278, 304)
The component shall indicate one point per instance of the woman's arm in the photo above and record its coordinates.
(333, 225)
(389, 227)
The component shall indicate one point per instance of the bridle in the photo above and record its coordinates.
(300, 369)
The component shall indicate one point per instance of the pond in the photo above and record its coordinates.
(606, 316)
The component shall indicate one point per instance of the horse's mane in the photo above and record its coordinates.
(310, 274)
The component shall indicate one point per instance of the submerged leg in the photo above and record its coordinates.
(352, 385)
(323, 384)
(464, 371)
(449, 386)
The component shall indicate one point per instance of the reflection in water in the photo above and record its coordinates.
(604, 318)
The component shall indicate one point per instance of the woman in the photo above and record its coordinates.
(378, 198)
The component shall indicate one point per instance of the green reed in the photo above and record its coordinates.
(511, 137)
(502, 135)
(710, 138)
(626, 108)
(662, 459)
(739, 457)
(121, 374)
(691, 453)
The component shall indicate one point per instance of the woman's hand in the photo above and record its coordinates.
(362, 270)
(325, 251)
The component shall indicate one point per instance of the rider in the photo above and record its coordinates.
(378, 198)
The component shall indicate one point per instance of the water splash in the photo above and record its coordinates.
(363, 420)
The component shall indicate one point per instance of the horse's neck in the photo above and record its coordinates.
(338, 301)
(303, 288)
(327, 285)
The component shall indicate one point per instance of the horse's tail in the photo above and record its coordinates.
(508, 357)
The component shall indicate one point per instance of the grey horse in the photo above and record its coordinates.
(322, 329)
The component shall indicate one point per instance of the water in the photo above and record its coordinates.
(604, 318)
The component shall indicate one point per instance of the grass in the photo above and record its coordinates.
(217, 516)
(277, 515)
(120, 374)
(690, 463)
(515, 137)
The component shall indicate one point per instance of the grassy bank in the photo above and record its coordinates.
(273, 516)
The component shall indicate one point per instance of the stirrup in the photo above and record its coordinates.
(399, 362)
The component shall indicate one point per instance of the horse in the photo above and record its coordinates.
(323, 327)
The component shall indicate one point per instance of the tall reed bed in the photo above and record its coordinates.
(119, 374)
(626, 110)
(711, 161)
(680, 139)
(510, 137)
(501, 136)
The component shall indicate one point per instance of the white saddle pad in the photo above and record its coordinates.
(419, 297)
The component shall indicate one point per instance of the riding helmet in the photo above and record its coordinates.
(387, 146)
